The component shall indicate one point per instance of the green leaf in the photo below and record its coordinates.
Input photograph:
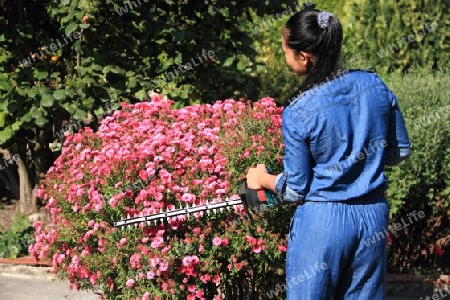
(97, 67)
(59, 94)
(241, 65)
(88, 103)
(47, 100)
(141, 94)
(5, 135)
(16, 125)
(40, 74)
(3, 115)
(71, 28)
(41, 121)
(229, 61)
(4, 104)
(130, 73)
(69, 107)
(79, 114)
(5, 86)
(77, 45)
(85, 26)
(21, 92)
(84, 4)
(35, 112)
(132, 83)
(33, 92)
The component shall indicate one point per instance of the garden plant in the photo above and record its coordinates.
(147, 157)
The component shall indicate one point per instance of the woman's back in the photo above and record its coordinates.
(345, 121)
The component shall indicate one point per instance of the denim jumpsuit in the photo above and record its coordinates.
(339, 136)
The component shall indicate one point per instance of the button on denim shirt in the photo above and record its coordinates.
(339, 136)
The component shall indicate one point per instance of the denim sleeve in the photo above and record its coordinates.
(398, 145)
(293, 183)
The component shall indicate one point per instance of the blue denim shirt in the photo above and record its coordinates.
(339, 136)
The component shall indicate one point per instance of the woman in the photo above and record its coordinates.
(340, 129)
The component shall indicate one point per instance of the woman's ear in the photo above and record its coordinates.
(305, 59)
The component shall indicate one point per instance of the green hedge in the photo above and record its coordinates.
(395, 36)
(387, 36)
(421, 183)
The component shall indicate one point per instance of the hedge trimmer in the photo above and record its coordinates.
(253, 200)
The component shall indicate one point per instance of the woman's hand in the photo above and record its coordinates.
(255, 176)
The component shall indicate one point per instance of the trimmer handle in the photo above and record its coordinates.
(253, 199)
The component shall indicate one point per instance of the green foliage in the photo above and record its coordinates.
(15, 240)
(370, 27)
(422, 181)
(426, 108)
(113, 51)
(395, 36)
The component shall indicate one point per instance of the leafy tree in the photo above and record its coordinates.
(66, 64)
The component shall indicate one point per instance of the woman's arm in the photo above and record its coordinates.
(293, 183)
(398, 146)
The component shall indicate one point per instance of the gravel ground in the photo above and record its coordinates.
(14, 288)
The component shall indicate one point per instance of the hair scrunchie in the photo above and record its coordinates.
(323, 18)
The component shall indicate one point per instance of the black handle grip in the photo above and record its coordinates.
(253, 199)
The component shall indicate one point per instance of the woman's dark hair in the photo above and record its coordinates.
(303, 33)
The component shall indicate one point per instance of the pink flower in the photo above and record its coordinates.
(216, 279)
(163, 266)
(130, 282)
(135, 260)
(205, 278)
(154, 261)
(192, 288)
(217, 241)
(150, 275)
(256, 249)
(251, 240)
(143, 175)
(200, 294)
(146, 296)
(224, 242)
(191, 260)
(157, 242)
(282, 248)
(164, 286)
(93, 279)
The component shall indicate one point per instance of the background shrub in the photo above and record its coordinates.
(422, 181)
(15, 240)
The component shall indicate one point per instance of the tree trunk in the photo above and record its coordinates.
(27, 201)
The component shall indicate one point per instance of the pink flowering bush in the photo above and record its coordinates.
(147, 157)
